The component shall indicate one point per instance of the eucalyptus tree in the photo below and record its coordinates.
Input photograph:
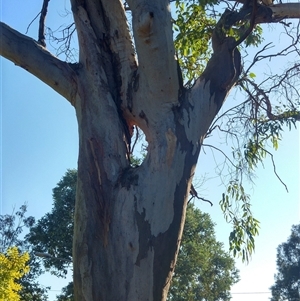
(287, 279)
(129, 220)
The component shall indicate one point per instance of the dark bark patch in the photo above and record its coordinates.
(136, 82)
(145, 237)
(223, 70)
(143, 116)
(164, 263)
(99, 196)
(184, 144)
(129, 177)
(133, 86)
(116, 86)
(131, 247)
(224, 67)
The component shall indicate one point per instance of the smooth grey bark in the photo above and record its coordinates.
(129, 221)
(30, 55)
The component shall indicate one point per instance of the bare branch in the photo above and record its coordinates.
(30, 55)
(284, 52)
(258, 57)
(276, 13)
(32, 22)
(64, 40)
(260, 96)
(137, 135)
(274, 169)
(194, 194)
(42, 23)
(266, 14)
(214, 124)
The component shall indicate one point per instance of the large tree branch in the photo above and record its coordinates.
(123, 52)
(286, 11)
(274, 13)
(224, 67)
(278, 12)
(266, 12)
(30, 55)
(153, 37)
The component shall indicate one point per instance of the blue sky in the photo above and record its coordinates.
(39, 143)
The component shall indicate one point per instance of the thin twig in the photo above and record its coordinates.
(274, 169)
(209, 145)
(194, 194)
(135, 140)
(32, 22)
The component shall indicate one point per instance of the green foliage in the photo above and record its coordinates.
(13, 265)
(254, 153)
(67, 293)
(287, 280)
(11, 229)
(252, 75)
(235, 204)
(193, 29)
(204, 271)
(135, 161)
(12, 226)
(53, 233)
(255, 38)
(266, 132)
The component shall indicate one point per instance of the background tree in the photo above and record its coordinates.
(204, 271)
(13, 265)
(287, 280)
(129, 221)
(67, 293)
(11, 235)
(52, 234)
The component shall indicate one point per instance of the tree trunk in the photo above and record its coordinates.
(128, 221)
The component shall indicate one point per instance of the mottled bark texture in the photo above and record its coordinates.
(129, 221)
